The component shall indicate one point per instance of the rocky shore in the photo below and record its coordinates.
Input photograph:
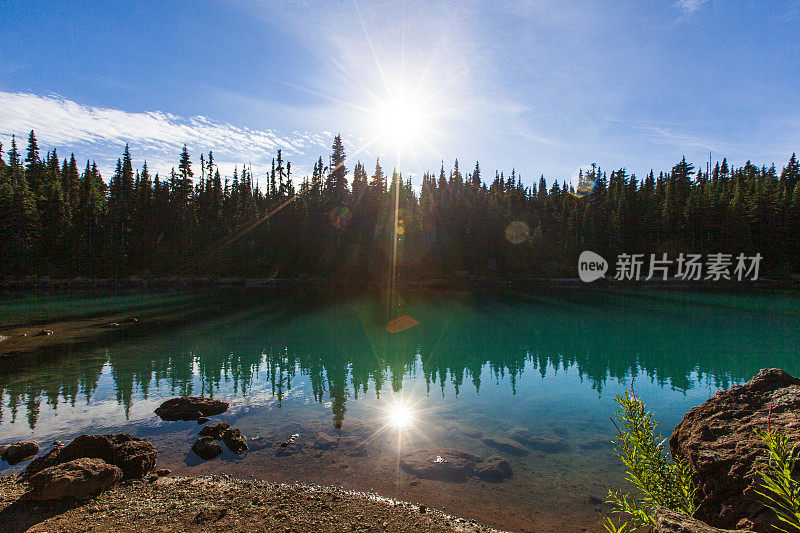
(111, 482)
(220, 503)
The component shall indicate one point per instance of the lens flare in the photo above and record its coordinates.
(517, 232)
(586, 184)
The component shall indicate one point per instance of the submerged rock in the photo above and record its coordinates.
(214, 431)
(325, 441)
(74, 479)
(542, 444)
(206, 448)
(18, 452)
(506, 445)
(444, 465)
(44, 333)
(291, 445)
(718, 442)
(235, 441)
(494, 469)
(133, 455)
(190, 408)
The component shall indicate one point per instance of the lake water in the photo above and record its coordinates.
(474, 367)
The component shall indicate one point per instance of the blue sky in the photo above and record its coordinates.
(541, 86)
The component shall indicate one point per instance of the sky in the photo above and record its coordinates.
(543, 87)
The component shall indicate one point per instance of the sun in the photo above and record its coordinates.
(401, 120)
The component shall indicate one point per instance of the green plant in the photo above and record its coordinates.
(658, 482)
(781, 491)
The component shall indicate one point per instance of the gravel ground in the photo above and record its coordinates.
(221, 503)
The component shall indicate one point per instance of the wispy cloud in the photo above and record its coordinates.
(156, 136)
(689, 6)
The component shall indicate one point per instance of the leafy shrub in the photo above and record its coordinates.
(657, 481)
(780, 489)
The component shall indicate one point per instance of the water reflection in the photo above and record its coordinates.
(344, 350)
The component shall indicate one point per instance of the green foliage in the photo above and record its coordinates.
(195, 221)
(780, 486)
(657, 481)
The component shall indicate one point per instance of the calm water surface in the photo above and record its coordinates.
(473, 367)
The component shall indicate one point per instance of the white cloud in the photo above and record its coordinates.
(689, 6)
(100, 133)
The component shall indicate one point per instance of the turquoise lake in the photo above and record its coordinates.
(475, 366)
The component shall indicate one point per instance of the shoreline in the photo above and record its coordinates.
(224, 503)
(45, 337)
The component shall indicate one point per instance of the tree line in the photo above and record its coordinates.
(59, 220)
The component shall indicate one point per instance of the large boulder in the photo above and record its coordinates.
(74, 479)
(133, 455)
(190, 408)
(135, 458)
(674, 522)
(18, 452)
(718, 442)
(444, 465)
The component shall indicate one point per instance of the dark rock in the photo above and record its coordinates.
(206, 448)
(214, 431)
(135, 456)
(673, 522)
(506, 445)
(112, 325)
(494, 469)
(190, 408)
(202, 420)
(444, 465)
(724, 455)
(161, 472)
(20, 451)
(44, 333)
(73, 479)
(235, 441)
(325, 441)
